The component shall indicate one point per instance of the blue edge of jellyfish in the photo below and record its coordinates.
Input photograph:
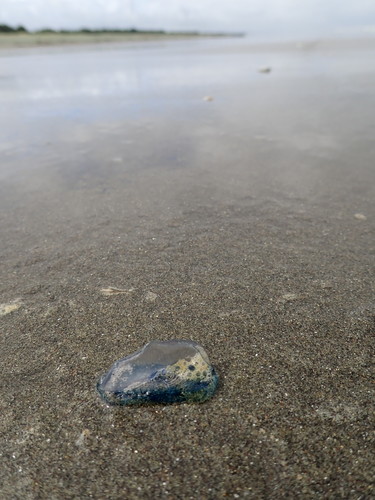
(194, 391)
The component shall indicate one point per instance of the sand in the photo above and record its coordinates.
(232, 222)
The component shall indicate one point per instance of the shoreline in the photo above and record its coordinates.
(25, 40)
(14, 41)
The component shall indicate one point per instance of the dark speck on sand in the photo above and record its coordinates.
(231, 224)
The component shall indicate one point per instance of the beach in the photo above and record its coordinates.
(228, 189)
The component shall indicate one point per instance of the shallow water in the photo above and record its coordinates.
(67, 105)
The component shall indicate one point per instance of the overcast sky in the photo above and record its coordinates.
(280, 18)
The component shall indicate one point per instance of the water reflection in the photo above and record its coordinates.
(146, 105)
(57, 75)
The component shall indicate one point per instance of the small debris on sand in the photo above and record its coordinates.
(111, 290)
(151, 297)
(360, 216)
(289, 297)
(81, 440)
(326, 285)
(10, 307)
(266, 69)
(208, 98)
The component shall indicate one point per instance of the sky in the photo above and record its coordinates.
(260, 18)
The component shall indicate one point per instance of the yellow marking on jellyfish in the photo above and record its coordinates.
(181, 370)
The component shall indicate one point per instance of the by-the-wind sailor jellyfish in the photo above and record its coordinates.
(172, 371)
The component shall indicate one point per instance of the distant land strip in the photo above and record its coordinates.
(20, 37)
(6, 29)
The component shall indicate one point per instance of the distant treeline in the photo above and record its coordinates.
(87, 30)
(4, 28)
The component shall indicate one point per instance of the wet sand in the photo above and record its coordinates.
(249, 221)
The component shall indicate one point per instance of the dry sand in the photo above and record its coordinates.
(232, 222)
